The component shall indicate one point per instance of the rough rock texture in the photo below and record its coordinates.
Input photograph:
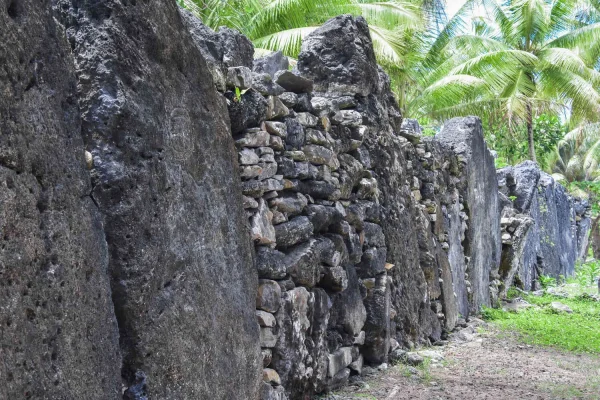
(134, 91)
(58, 333)
(162, 178)
(559, 228)
(465, 137)
(369, 217)
(131, 202)
(322, 51)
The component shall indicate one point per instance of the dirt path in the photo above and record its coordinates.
(492, 366)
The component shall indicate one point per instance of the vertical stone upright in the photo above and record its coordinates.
(557, 238)
(58, 332)
(483, 242)
(164, 177)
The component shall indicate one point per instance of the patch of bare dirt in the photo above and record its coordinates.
(494, 365)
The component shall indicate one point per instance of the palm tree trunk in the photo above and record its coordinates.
(530, 133)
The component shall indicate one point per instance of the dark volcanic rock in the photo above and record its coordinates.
(323, 49)
(295, 231)
(293, 83)
(249, 110)
(303, 319)
(221, 50)
(271, 63)
(553, 243)
(465, 137)
(164, 176)
(57, 324)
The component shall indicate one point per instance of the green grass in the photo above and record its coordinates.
(578, 332)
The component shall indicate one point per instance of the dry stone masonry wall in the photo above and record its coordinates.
(179, 220)
(368, 236)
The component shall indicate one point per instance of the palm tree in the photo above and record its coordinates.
(577, 155)
(517, 58)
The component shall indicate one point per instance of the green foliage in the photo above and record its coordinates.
(587, 190)
(282, 24)
(542, 325)
(547, 281)
(577, 155)
(511, 145)
(586, 273)
(522, 59)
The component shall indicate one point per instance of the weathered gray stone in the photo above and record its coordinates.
(322, 217)
(267, 338)
(307, 119)
(271, 376)
(465, 137)
(270, 263)
(560, 307)
(357, 75)
(248, 156)
(339, 360)
(291, 204)
(262, 230)
(301, 345)
(373, 235)
(268, 296)
(372, 262)
(267, 356)
(335, 279)
(292, 82)
(265, 319)
(320, 190)
(151, 125)
(320, 155)
(221, 50)
(271, 63)
(350, 118)
(263, 83)
(357, 365)
(295, 231)
(268, 392)
(290, 99)
(275, 108)
(250, 171)
(56, 295)
(239, 77)
(303, 263)
(276, 128)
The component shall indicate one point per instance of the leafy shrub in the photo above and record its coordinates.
(547, 281)
(587, 273)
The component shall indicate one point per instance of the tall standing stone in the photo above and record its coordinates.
(465, 137)
(165, 180)
(58, 332)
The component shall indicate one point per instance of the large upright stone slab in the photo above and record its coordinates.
(58, 332)
(165, 178)
(558, 233)
(465, 137)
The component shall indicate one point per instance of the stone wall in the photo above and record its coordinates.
(199, 224)
(545, 230)
(368, 236)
